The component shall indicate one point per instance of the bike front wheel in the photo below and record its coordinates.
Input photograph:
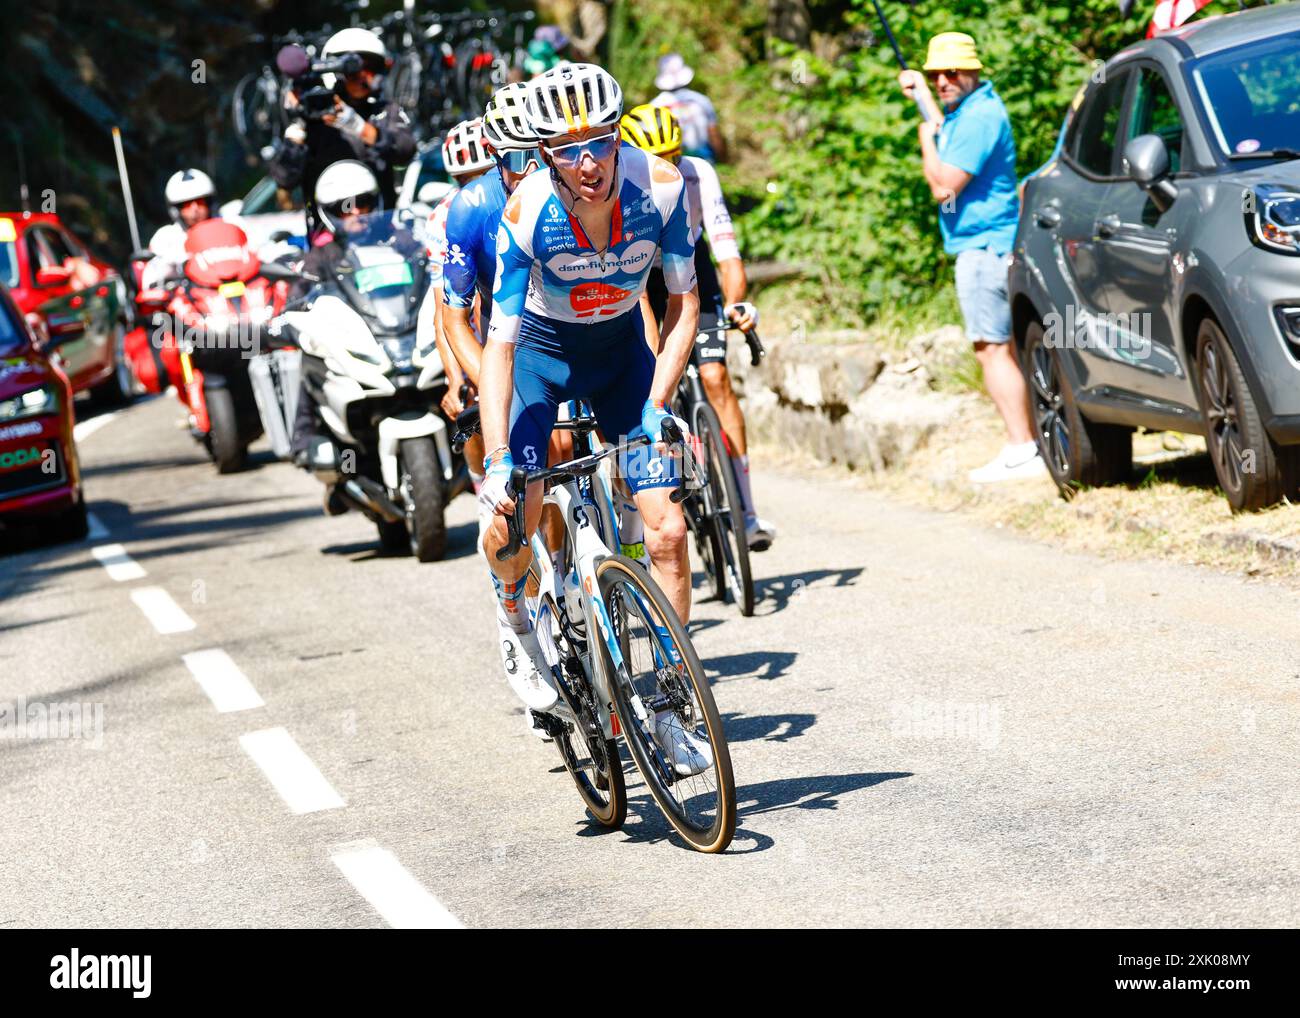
(664, 703)
(591, 760)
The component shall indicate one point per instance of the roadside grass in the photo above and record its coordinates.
(800, 307)
(1171, 509)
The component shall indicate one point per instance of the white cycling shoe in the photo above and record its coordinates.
(526, 667)
(759, 534)
(688, 752)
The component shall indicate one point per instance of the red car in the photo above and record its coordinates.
(68, 295)
(40, 477)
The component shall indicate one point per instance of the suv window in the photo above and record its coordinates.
(39, 253)
(1094, 141)
(1156, 112)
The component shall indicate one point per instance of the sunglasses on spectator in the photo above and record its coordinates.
(601, 147)
(518, 160)
(950, 75)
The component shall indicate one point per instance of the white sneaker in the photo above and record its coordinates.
(759, 534)
(689, 753)
(1013, 463)
(526, 667)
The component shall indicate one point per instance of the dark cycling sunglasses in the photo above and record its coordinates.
(362, 203)
(518, 160)
(950, 75)
(600, 147)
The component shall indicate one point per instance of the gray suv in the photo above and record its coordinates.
(1156, 275)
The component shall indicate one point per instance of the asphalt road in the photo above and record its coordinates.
(931, 724)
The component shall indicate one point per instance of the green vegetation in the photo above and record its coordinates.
(826, 170)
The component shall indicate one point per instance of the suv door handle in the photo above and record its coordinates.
(1108, 226)
(1047, 217)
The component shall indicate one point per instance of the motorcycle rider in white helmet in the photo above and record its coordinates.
(191, 198)
(346, 192)
(361, 126)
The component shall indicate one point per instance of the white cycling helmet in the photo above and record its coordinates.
(505, 121)
(463, 150)
(354, 40)
(187, 185)
(343, 187)
(571, 98)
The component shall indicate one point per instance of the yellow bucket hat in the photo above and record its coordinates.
(952, 51)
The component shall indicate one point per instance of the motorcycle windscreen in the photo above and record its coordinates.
(384, 287)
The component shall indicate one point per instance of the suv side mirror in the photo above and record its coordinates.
(1146, 162)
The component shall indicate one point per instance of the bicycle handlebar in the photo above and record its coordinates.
(756, 349)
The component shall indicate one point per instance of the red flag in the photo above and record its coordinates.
(1172, 13)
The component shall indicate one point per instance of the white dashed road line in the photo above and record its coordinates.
(120, 565)
(159, 608)
(82, 430)
(290, 771)
(402, 900)
(227, 687)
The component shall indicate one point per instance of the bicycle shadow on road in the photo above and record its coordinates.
(461, 542)
(764, 665)
(773, 594)
(766, 727)
(809, 793)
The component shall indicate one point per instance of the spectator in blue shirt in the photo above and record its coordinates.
(969, 160)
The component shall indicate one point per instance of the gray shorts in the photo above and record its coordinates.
(982, 294)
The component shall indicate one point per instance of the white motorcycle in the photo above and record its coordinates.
(376, 376)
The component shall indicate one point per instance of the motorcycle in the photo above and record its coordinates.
(205, 327)
(374, 371)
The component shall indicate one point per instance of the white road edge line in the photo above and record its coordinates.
(120, 565)
(290, 771)
(402, 901)
(96, 530)
(82, 430)
(227, 687)
(159, 608)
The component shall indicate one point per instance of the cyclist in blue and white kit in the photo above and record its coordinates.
(470, 247)
(575, 246)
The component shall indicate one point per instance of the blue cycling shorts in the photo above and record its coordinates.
(606, 363)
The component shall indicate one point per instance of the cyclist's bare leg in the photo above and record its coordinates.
(665, 541)
(717, 387)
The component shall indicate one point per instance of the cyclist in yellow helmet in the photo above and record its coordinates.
(656, 130)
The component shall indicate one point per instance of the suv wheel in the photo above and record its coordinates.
(1077, 451)
(1252, 469)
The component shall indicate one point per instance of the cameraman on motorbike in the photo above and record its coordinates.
(341, 117)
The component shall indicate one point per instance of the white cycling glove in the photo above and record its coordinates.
(745, 308)
(495, 479)
(296, 133)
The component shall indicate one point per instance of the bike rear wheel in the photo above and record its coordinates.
(664, 690)
(726, 518)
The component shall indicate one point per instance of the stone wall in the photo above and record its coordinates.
(848, 402)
